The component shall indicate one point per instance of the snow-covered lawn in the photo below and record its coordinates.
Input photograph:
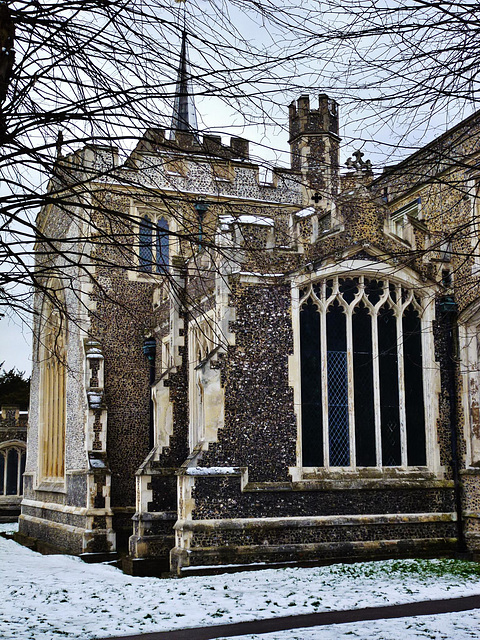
(52, 597)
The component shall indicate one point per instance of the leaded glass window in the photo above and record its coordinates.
(162, 249)
(154, 244)
(145, 244)
(361, 374)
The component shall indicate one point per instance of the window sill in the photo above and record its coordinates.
(10, 499)
(146, 277)
(364, 478)
(363, 472)
(351, 484)
(394, 236)
(52, 486)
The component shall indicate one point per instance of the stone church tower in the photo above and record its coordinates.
(256, 372)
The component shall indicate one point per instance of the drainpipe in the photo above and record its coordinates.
(149, 350)
(448, 309)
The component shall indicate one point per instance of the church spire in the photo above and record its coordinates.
(184, 114)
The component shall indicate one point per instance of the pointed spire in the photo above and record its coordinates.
(184, 114)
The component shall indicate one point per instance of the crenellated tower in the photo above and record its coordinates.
(314, 147)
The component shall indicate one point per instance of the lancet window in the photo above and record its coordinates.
(12, 467)
(362, 388)
(154, 244)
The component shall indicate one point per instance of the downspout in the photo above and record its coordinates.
(448, 309)
(149, 350)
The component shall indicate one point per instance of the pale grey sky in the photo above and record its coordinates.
(15, 345)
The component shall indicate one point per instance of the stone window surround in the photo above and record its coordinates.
(155, 213)
(431, 382)
(53, 383)
(5, 449)
(201, 342)
(399, 220)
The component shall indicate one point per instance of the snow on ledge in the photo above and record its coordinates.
(257, 274)
(248, 219)
(303, 213)
(212, 471)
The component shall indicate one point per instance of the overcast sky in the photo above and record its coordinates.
(15, 345)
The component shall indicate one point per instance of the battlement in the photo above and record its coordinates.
(155, 140)
(314, 146)
(306, 121)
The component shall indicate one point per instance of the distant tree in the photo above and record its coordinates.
(14, 388)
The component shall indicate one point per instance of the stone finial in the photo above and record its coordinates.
(59, 144)
(360, 166)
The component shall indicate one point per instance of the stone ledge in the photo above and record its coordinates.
(147, 516)
(336, 483)
(313, 521)
(55, 506)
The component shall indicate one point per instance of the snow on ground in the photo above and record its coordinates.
(52, 597)
(447, 626)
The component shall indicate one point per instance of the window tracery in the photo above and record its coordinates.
(361, 374)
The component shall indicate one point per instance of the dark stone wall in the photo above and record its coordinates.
(260, 424)
(295, 535)
(58, 538)
(76, 490)
(221, 498)
(164, 491)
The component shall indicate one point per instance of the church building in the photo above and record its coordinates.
(236, 372)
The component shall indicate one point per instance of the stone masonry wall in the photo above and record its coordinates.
(260, 424)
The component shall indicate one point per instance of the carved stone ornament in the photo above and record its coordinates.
(359, 165)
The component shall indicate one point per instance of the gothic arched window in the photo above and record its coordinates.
(145, 244)
(163, 246)
(361, 374)
(154, 244)
(12, 467)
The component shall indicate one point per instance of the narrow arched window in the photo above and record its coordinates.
(162, 248)
(12, 468)
(312, 414)
(337, 385)
(361, 375)
(363, 397)
(414, 399)
(145, 244)
(12, 472)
